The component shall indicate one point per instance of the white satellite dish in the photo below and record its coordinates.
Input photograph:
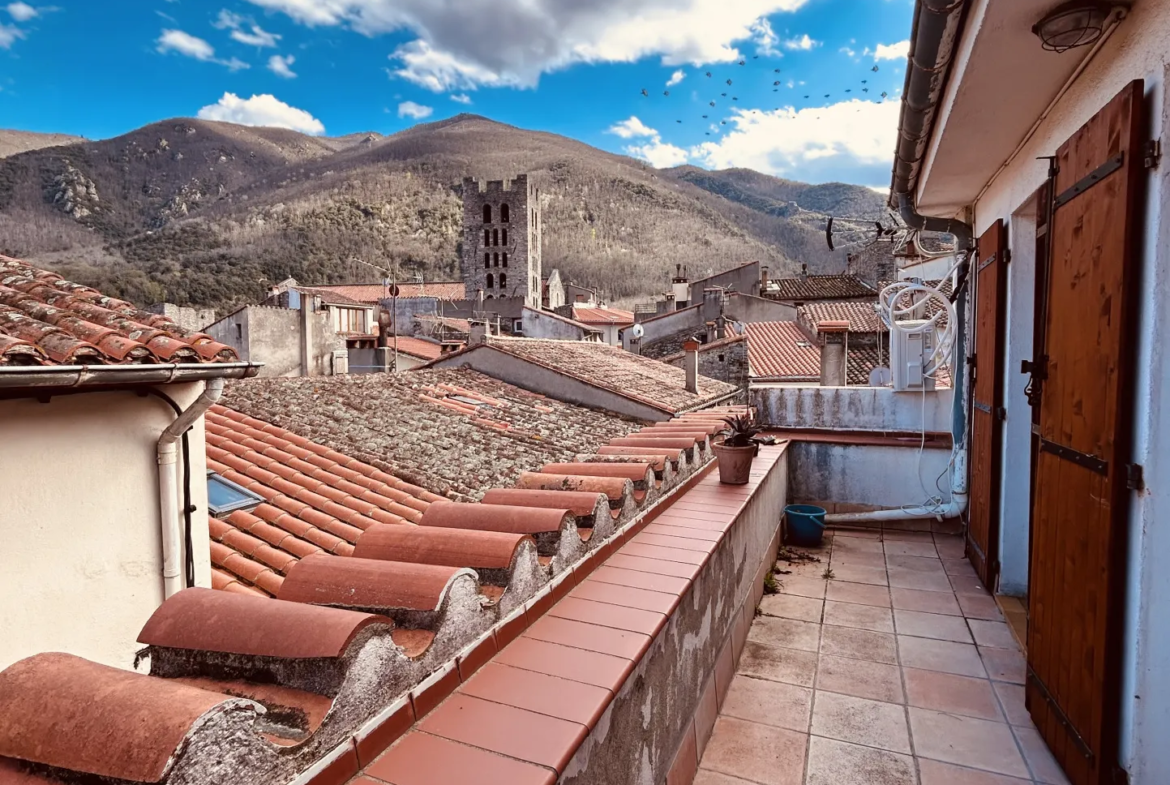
(881, 377)
(637, 331)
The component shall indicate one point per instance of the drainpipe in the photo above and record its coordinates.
(955, 509)
(170, 514)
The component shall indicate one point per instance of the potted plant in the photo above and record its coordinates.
(737, 449)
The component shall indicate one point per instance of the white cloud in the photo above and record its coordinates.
(253, 36)
(802, 43)
(282, 66)
(533, 37)
(461, 99)
(898, 51)
(676, 77)
(8, 35)
(22, 12)
(628, 129)
(263, 110)
(765, 37)
(852, 141)
(659, 154)
(185, 44)
(414, 111)
(847, 51)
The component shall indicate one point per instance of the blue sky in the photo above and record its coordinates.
(573, 67)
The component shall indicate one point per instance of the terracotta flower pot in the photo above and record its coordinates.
(735, 463)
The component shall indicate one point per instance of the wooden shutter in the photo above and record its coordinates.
(1080, 498)
(987, 404)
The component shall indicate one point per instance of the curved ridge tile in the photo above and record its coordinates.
(496, 517)
(641, 474)
(480, 550)
(208, 620)
(389, 587)
(76, 715)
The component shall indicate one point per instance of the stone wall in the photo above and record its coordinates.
(727, 362)
(508, 243)
(196, 319)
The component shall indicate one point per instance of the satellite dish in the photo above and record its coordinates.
(880, 377)
(637, 331)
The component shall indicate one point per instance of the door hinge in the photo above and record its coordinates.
(1152, 153)
(971, 361)
(1007, 255)
(1038, 368)
(1001, 413)
(1134, 477)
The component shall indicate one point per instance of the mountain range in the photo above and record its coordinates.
(212, 214)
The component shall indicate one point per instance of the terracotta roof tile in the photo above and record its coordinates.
(416, 347)
(782, 351)
(46, 320)
(861, 316)
(613, 369)
(818, 287)
(603, 316)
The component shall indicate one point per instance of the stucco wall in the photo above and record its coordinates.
(81, 562)
(538, 324)
(744, 279)
(868, 476)
(853, 408)
(748, 308)
(270, 335)
(688, 320)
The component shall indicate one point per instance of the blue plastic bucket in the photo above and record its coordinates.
(806, 524)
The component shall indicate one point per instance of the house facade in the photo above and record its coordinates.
(1064, 202)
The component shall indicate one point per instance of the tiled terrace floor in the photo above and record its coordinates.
(899, 670)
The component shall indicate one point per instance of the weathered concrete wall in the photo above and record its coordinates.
(744, 279)
(404, 309)
(638, 736)
(539, 324)
(81, 561)
(749, 309)
(853, 408)
(270, 335)
(686, 322)
(866, 475)
(185, 316)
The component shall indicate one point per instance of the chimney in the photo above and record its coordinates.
(635, 345)
(763, 279)
(804, 271)
(478, 334)
(691, 365)
(834, 336)
(306, 323)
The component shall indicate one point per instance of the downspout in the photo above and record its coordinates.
(937, 30)
(170, 514)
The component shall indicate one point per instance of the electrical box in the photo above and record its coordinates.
(910, 354)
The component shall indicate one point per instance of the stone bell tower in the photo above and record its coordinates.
(501, 239)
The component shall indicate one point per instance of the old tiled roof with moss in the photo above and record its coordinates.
(612, 368)
(802, 288)
(455, 432)
(46, 320)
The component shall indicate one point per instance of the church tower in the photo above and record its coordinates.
(501, 239)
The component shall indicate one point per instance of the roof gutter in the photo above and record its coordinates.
(937, 30)
(71, 376)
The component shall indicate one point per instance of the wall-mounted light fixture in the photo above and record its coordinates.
(1074, 24)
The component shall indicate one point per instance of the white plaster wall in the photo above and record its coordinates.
(1016, 469)
(853, 408)
(885, 477)
(1140, 49)
(81, 561)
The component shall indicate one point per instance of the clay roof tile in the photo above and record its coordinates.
(495, 517)
(440, 546)
(368, 583)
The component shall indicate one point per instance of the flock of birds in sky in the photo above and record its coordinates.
(730, 82)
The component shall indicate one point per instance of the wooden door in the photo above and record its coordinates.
(987, 404)
(1076, 592)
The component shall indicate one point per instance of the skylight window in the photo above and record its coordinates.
(225, 496)
(468, 401)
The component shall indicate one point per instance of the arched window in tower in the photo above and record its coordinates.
(487, 213)
(487, 236)
(490, 281)
(495, 236)
(505, 258)
(505, 238)
(504, 213)
(487, 260)
(503, 281)
(496, 261)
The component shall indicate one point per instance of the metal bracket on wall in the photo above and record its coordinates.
(1084, 460)
(1134, 477)
(1152, 153)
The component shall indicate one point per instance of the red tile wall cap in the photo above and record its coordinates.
(580, 503)
(495, 517)
(209, 620)
(368, 583)
(658, 442)
(73, 714)
(674, 455)
(638, 473)
(655, 462)
(439, 546)
(706, 426)
(616, 489)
